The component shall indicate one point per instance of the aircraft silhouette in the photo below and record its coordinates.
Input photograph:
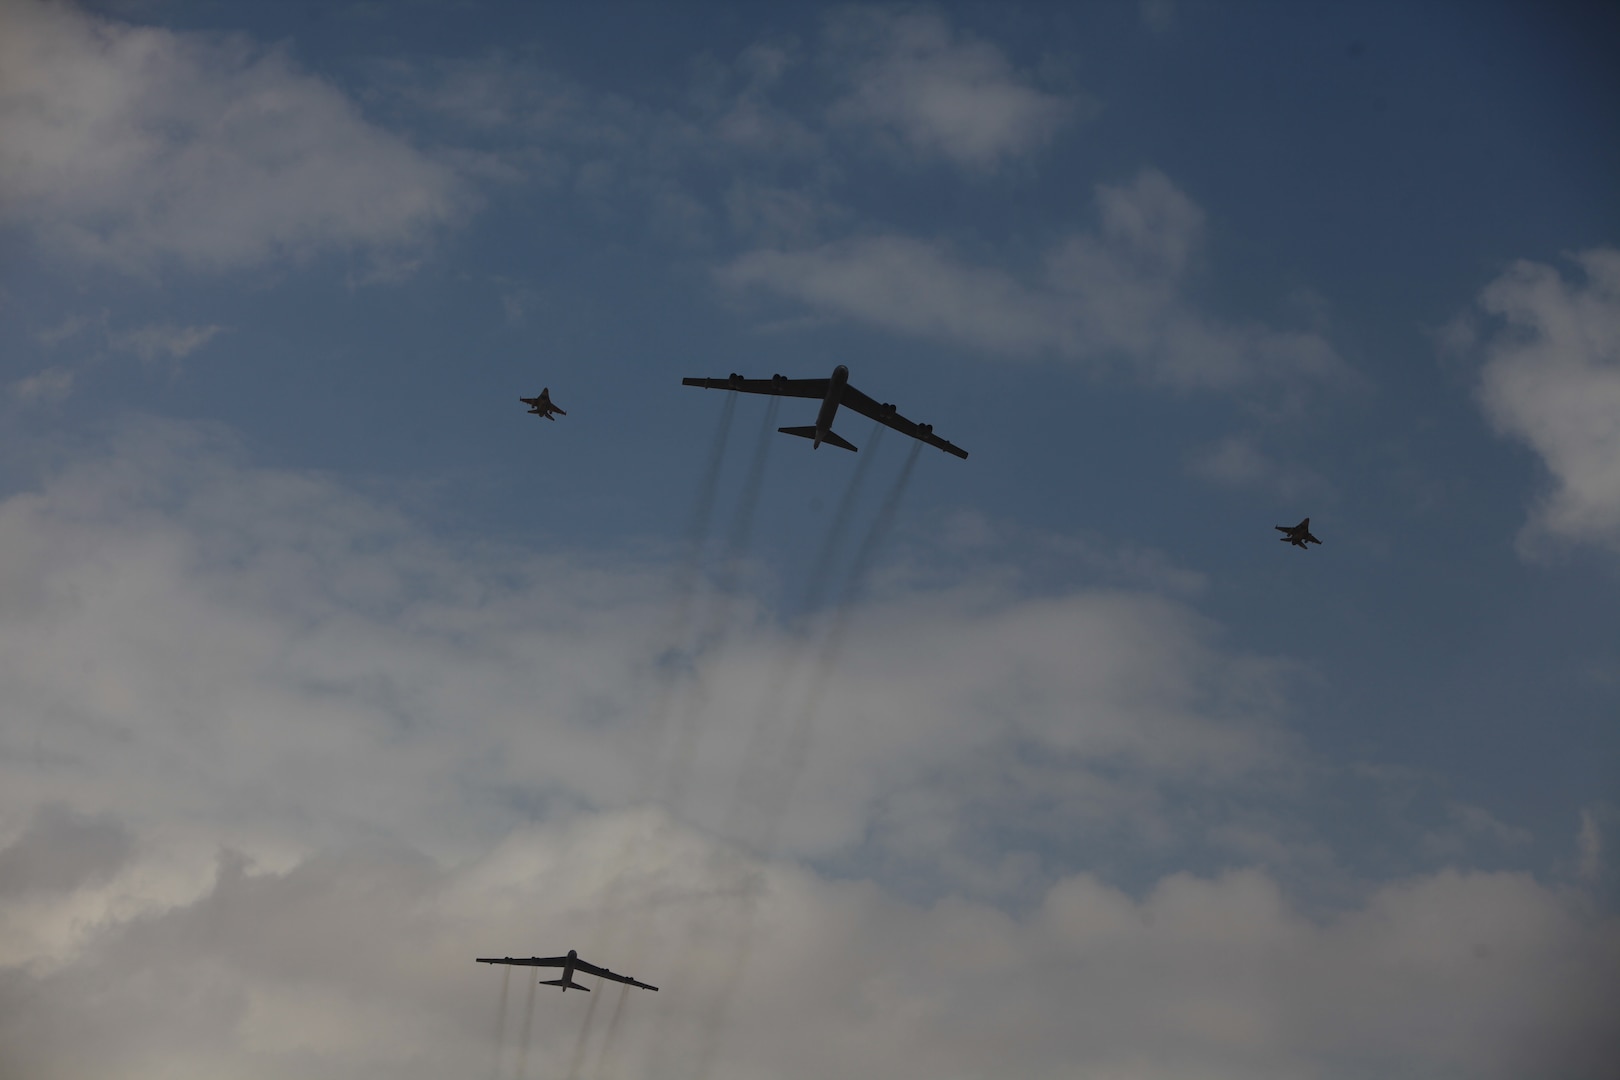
(570, 964)
(1298, 535)
(833, 392)
(542, 406)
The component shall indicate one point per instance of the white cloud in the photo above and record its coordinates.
(47, 387)
(358, 962)
(136, 147)
(1115, 294)
(1158, 16)
(1590, 843)
(938, 92)
(199, 655)
(1237, 461)
(164, 340)
(1551, 379)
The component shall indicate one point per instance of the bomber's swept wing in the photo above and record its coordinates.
(562, 962)
(887, 416)
(779, 385)
(533, 961)
(580, 965)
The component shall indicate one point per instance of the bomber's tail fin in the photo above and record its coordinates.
(565, 984)
(809, 432)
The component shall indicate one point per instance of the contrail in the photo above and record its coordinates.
(584, 1034)
(500, 1019)
(672, 644)
(528, 1023)
(799, 732)
(604, 1058)
(757, 755)
(686, 574)
(840, 521)
(770, 705)
(795, 755)
(712, 633)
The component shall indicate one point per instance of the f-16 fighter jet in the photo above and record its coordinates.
(833, 392)
(569, 964)
(542, 406)
(1298, 535)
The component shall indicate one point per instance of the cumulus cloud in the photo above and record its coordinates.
(286, 645)
(60, 850)
(1237, 461)
(47, 387)
(1551, 379)
(160, 340)
(1113, 294)
(938, 92)
(137, 147)
(278, 765)
(359, 963)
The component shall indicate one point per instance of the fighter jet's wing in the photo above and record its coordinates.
(580, 965)
(533, 961)
(779, 385)
(886, 415)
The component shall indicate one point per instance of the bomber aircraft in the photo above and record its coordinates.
(542, 406)
(833, 392)
(569, 964)
(1298, 535)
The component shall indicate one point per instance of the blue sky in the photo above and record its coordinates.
(311, 630)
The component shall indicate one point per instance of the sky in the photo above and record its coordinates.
(325, 669)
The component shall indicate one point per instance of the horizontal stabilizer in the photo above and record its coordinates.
(565, 984)
(809, 432)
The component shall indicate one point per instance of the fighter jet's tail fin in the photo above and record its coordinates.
(565, 984)
(809, 432)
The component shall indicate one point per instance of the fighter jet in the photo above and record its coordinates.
(833, 392)
(542, 406)
(570, 964)
(1298, 535)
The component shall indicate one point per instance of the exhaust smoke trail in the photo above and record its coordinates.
(500, 1019)
(797, 752)
(753, 779)
(523, 1042)
(674, 640)
(604, 1059)
(578, 1058)
(672, 645)
(713, 630)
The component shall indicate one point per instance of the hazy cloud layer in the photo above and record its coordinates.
(201, 656)
(938, 92)
(283, 645)
(1552, 380)
(359, 963)
(137, 147)
(1112, 295)
(1238, 461)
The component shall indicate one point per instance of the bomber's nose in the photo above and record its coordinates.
(841, 371)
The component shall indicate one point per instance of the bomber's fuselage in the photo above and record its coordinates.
(829, 404)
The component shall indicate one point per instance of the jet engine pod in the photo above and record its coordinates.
(925, 429)
(889, 409)
(778, 382)
(735, 380)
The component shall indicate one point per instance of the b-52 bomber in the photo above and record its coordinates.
(542, 406)
(833, 392)
(1298, 535)
(569, 964)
